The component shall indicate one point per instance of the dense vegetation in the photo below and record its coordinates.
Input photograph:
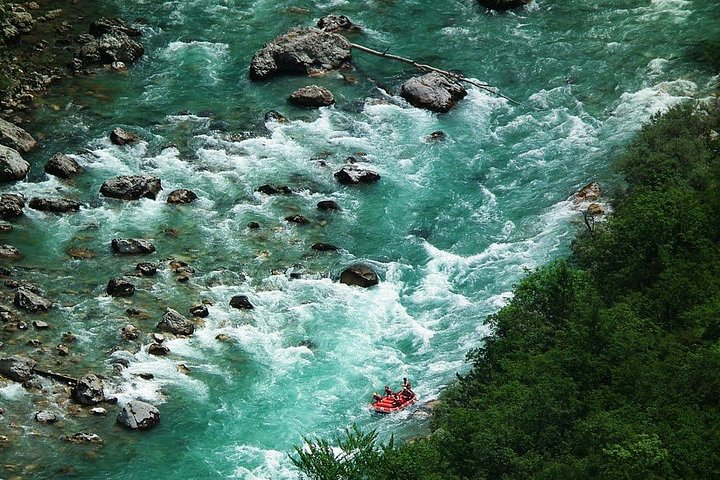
(606, 365)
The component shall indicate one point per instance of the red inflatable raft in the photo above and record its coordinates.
(389, 405)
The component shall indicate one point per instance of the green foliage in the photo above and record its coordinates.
(606, 365)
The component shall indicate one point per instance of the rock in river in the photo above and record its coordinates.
(62, 166)
(89, 390)
(31, 302)
(241, 302)
(11, 206)
(8, 252)
(182, 195)
(503, 4)
(12, 165)
(352, 175)
(137, 415)
(119, 287)
(433, 91)
(175, 323)
(54, 205)
(15, 137)
(83, 438)
(131, 246)
(120, 136)
(17, 368)
(300, 51)
(360, 275)
(131, 187)
(312, 96)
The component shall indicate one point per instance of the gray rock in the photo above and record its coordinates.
(40, 325)
(98, 411)
(297, 219)
(83, 438)
(5, 227)
(45, 417)
(327, 205)
(137, 415)
(182, 195)
(17, 368)
(352, 175)
(199, 311)
(11, 206)
(336, 23)
(88, 390)
(131, 187)
(503, 4)
(433, 91)
(146, 269)
(300, 51)
(104, 25)
(158, 349)
(312, 96)
(119, 287)
(110, 47)
(54, 205)
(175, 323)
(274, 190)
(62, 166)
(130, 332)
(15, 137)
(123, 137)
(241, 302)
(12, 165)
(131, 246)
(359, 275)
(8, 252)
(31, 302)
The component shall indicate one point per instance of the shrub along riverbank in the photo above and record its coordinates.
(605, 365)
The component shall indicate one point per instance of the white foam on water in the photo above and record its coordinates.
(13, 392)
(260, 464)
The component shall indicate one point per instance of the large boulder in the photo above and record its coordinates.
(300, 51)
(137, 415)
(433, 91)
(12, 165)
(174, 322)
(131, 246)
(17, 368)
(11, 206)
(131, 187)
(15, 137)
(119, 287)
(312, 96)
(352, 175)
(359, 275)
(88, 390)
(503, 4)
(8, 252)
(55, 205)
(31, 302)
(182, 196)
(62, 166)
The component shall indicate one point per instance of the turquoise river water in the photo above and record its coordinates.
(450, 226)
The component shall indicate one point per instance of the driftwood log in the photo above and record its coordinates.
(429, 68)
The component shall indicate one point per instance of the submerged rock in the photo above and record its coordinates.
(11, 206)
(119, 287)
(31, 302)
(45, 417)
(312, 96)
(181, 196)
(137, 415)
(120, 136)
(54, 205)
(352, 175)
(12, 165)
(89, 390)
(241, 302)
(324, 247)
(300, 51)
(433, 91)
(62, 166)
(297, 219)
(15, 137)
(359, 275)
(17, 368)
(83, 438)
(80, 253)
(8, 252)
(503, 4)
(175, 323)
(131, 246)
(131, 187)
(326, 205)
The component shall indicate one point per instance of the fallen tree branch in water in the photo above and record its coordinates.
(430, 68)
